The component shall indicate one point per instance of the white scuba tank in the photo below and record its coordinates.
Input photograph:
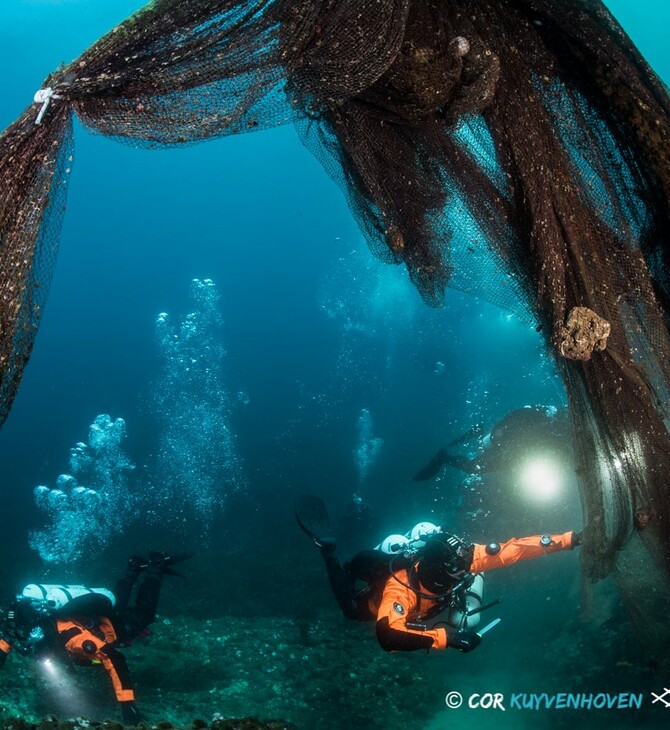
(473, 599)
(393, 544)
(58, 596)
(415, 538)
(421, 532)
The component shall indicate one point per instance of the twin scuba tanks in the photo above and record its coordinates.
(55, 597)
(414, 540)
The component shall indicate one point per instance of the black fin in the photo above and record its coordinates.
(164, 561)
(432, 468)
(476, 431)
(178, 558)
(312, 518)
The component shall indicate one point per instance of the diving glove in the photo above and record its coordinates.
(577, 538)
(463, 640)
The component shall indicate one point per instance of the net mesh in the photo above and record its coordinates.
(518, 144)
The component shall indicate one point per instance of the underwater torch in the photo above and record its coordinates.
(488, 627)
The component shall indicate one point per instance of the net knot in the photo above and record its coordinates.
(44, 97)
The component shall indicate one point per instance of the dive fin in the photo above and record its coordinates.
(312, 518)
(475, 432)
(432, 468)
(165, 561)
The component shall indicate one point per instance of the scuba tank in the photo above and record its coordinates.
(410, 541)
(469, 600)
(393, 544)
(421, 532)
(55, 597)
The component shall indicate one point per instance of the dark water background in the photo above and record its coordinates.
(315, 330)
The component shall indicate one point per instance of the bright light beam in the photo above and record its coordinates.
(62, 690)
(541, 479)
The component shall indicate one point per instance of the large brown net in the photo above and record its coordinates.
(530, 133)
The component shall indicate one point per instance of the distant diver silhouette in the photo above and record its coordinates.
(532, 428)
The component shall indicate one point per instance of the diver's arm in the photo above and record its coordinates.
(500, 555)
(398, 601)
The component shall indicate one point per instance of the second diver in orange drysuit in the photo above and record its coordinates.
(89, 628)
(418, 591)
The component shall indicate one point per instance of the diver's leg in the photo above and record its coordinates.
(160, 564)
(149, 590)
(341, 583)
(457, 461)
(442, 457)
(126, 582)
(313, 520)
(134, 619)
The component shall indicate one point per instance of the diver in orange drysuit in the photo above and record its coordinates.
(406, 593)
(89, 628)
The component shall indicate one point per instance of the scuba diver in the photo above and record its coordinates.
(424, 589)
(524, 430)
(87, 625)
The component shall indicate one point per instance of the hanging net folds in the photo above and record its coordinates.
(530, 133)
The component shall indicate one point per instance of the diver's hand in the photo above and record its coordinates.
(130, 714)
(577, 538)
(463, 640)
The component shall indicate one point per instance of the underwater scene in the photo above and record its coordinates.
(253, 477)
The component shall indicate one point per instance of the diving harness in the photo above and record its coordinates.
(461, 602)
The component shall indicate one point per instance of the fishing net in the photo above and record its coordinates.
(528, 133)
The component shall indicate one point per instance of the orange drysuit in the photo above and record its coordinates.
(97, 643)
(93, 643)
(398, 600)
